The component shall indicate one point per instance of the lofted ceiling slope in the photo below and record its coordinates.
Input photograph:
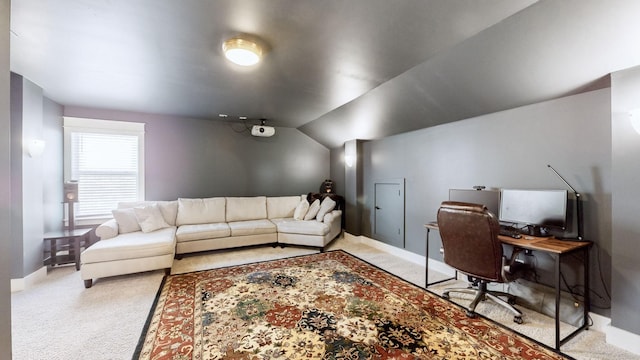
(337, 70)
(550, 50)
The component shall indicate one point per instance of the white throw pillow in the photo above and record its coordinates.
(126, 219)
(313, 210)
(326, 206)
(150, 218)
(107, 230)
(301, 210)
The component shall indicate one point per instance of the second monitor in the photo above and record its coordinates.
(539, 210)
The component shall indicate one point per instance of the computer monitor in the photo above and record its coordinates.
(539, 210)
(488, 198)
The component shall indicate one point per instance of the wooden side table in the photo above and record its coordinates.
(64, 246)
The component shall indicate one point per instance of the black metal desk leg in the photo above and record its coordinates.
(426, 263)
(587, 290)
(557, 317)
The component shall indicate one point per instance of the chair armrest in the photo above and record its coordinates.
(107, 230)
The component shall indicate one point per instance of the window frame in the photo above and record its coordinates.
(97, 126)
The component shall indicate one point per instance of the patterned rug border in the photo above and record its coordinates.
(154, 305)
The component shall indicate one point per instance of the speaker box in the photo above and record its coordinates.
(70, 191)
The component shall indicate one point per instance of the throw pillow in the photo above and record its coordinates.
(313, 210)
(107, 230)
(301, 210)
(326, 206)
(150, 218)
(126, 219)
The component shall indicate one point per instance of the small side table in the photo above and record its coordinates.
(70, 241)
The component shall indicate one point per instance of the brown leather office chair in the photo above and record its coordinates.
(469, 235)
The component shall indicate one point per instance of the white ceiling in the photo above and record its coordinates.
(336, 69)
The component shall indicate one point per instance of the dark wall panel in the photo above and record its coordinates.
(27, 182)
(625, 206)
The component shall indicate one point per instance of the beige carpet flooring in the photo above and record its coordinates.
(59, 319)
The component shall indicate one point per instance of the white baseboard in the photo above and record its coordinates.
(26, 282)
(600, 323)
(396, 251)
(623, 339)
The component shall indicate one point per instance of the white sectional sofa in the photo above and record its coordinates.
(147, 235)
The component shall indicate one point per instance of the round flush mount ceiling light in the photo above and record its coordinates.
(242, 51)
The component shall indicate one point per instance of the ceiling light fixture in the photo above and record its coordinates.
(242, 51)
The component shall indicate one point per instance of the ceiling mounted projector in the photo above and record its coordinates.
(263, 130)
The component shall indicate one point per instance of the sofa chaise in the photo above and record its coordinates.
(148, 235)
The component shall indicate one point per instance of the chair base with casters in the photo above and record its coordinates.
(481, 294)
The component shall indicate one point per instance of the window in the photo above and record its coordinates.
(107, 159)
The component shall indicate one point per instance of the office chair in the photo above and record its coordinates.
(469, 234)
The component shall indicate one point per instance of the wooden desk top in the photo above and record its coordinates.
(432, 225)
(548, 244)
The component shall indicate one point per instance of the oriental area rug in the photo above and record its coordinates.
(324, 306)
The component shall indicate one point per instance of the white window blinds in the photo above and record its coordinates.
(105, 157)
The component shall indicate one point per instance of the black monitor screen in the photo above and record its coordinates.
(488, 198)
(544, 208)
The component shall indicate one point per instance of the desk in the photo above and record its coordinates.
(558, 249)
(66, 240)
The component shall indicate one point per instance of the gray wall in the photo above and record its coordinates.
(625, 95)
(508, 149)
(27, 177)
(337, 170)
(52, 166)
(187, 157)
(5, 185)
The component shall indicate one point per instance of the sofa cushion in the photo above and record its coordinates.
(202, 231)
(332, 215)
(301, 210)
(313, 210)
(150, 218)
(132, 204)
(169, 209)
(246, 208)
(132, 245)
(200, 211)
(326, 206)
(252, 227)
(281, 206)
(126, 219)
(292, 226)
